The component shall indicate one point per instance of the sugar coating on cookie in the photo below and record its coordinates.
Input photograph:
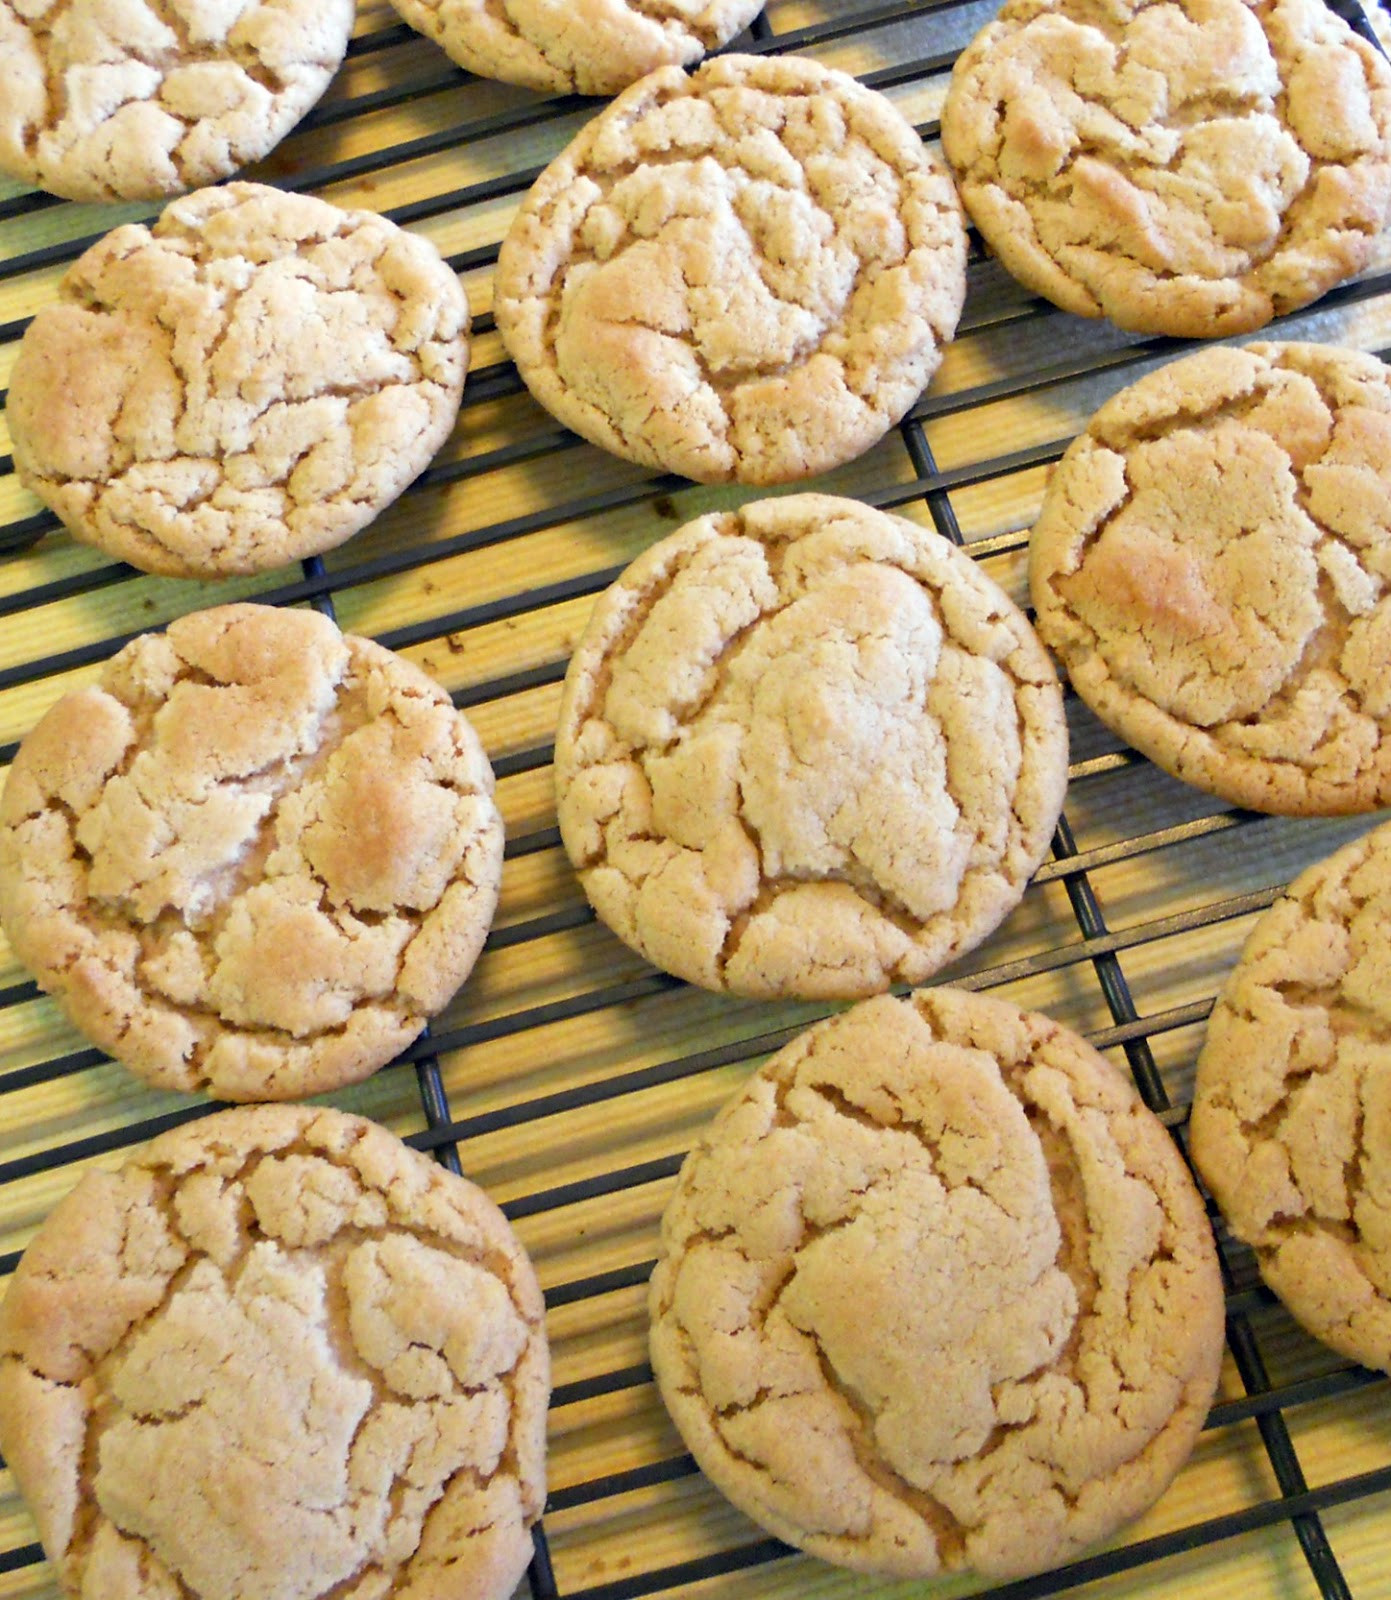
(585, 46)
(134, 99)
(807, 748)
(1292, 1101)
(278, 1356)
(936, 1292)
(253, 859)
(246, 383)
(1212, 565)
(748, 273)
(1193, 167)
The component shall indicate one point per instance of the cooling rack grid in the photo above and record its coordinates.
(569, 1078)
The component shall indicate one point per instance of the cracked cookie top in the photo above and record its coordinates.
(584, 46)
(134, 99)
(1292, 1102)
(1192, 167)
(278, 1356)
(937, 1292)
(807, 748)
(745, 274)
(247, 383)
(1212, 564)
(255, 858)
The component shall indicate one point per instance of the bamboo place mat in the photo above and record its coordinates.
(570, 1077)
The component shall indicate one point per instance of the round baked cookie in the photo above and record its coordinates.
(1194, 167)
(1212, 564)
(748, 273)
(1292, 1102)
(278, 1356)
(936, 1292)
(593, 47)
(807, 748)
(246, 383)
(253, 859)
(133, 99)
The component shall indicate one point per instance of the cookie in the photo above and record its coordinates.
(1292, 1102)
(255, 858)
(247, 383)
(1193, 168)
(594, 47)
(748, 273)
(278, 1356)
(807, 748)
(936, 1292)
(134, 99)
(1212, 562)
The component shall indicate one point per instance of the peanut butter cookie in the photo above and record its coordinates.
(1212, 565)
(134, 99)
(253, 860)
(936, 1292)
(246, 383)
(746, 274)
(278, 1356)
(1194, 167)
(807, 748)
(585, 46)
(1292, 1104)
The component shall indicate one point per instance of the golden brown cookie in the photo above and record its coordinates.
(1194, 167)
(255, 858)
(133, 99)
(748, 273)
(936, 1292)
(248, 382)
(1212, 563)
(588, 46)
(1292, 1103)
(278, 1356)
(807, 748)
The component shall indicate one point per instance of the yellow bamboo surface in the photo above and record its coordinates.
(500, 558)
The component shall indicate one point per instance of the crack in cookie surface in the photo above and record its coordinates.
(247, 383)
(135, 99)
(746, 274)
(936, 1292)
(278, 1357)
(807, 748)
(1211, 563)
(256, 858)
(1192, 167)
(591, 47)
(1293, 1099)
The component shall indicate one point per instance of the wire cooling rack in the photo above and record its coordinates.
(568, 1077)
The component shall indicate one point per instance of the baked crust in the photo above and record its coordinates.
(255, 858)
(134, 99)
(746, 274)
(1292, 1100)
(936, 1292)
(279, 1355)
(807, 748)
(246, 383)
(1194, 167)
(1211, 565)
